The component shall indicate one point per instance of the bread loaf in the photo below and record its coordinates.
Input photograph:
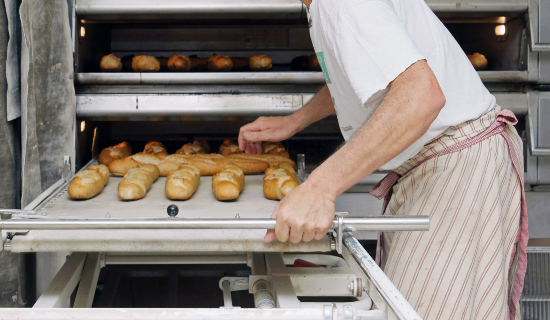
(313, 63)
(478, 61)
(274, 148)
(121, 166)
(110, 63)
(179, 63)
(197, 147)
(121, 150)
(182, 183)
(145, 64)
(240, 64)
(156, 148)
(273, 160)
(228, 183)
(88, 183)
(260, 62)
(279, 181)
(137, 181)
(229, 147)
(198, 64)
(209, 164)
(219, 63)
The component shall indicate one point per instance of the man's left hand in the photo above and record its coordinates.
(303, 215)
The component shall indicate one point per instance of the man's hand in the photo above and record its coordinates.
(303, 215)
(266, 129)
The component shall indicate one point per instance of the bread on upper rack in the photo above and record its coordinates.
(479, 62)
(144, 63)
(182, 183)
(137, 182)
(279, 181)
(156, 148)
(120, 167)
(195, 147)
(273, 160)
(209, 164)
(313, 63)
(274, 148)
(219, 62)
(110, 63)
(88, 183)
(260, 62)
(228, 183)
(179, 63)
(229, 147)
(121, 150)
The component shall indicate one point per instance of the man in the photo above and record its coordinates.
(408, 100)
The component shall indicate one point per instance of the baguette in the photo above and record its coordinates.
(209, 164)
(279, 181)
(121, 166)
(479, 62)
(240, 64)
(110, 63)
(88, 183)
(313, 63)
(182, 183)
(273, 160)
(121, 150)
(260, 62)
(228, 183)
(197, 147)
(145, 64)
(198, 64)
(274, 148)
(137, 182)
(179, 63)
(229, 147)
(251, 166)
(156, 148)
(219, 63)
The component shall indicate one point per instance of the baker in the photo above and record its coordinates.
(408, 100)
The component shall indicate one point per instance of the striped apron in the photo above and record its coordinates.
(472, 262)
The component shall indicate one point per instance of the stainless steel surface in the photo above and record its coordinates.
(537, 122)
(395, 300)
(114, 258)
(539, 25)
(227, 301)
(535, 298)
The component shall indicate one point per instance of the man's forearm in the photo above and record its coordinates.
(412, 104)
(319, 107)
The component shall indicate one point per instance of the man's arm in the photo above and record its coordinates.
(282, 128)
(411, 105)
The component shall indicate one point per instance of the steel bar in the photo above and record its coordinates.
(88, 282)
(175, 259)
(227, 302)
(374, 223)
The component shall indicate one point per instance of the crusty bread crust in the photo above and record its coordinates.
(137, 182)
(228, 183)
(219, 63)
(182, 183)
(110, 63)
(279, 181)
(179, 63)
(144, 63)
(121, 150)
(260, 62)
(88, 183)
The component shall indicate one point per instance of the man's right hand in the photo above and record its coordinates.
(266, 129)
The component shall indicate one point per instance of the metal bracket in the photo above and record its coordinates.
(328, 311)
(535, 151)
(66, 175)
(340, 230)
(235, 283)
(534, 21)
(253, 278)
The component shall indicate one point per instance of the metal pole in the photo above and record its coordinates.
(375, 223)
(227, 302)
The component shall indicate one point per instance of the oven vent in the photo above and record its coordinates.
(535, 298)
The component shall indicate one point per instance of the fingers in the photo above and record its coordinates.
(319, 235)
(270, 235)
(308, 235)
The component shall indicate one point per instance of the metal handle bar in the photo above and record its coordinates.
(372, 223)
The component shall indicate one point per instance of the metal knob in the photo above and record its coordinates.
(172, 210)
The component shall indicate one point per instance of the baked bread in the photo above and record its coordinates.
(299, 63)
(229, 147)
(145, 64)
(274, 148)
(121, 150)
(110, 63)
(182, 183)
(478, 61)
(127, 63)
(279, 181)
(313, 63)
(88, 183)
(240, 64)
(163, 64)
(179, 63)
(228, 183)
(137, 182)
(273, 160)
(197, 147)
(208, 164)
(156, 148)
(251, 166)
(219, 62)
(198, 64)
(121, 166)
(260, 62)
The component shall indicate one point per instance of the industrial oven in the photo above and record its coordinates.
(99, 246)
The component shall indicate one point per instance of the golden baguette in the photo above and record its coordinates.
(228, 183)
(88, 183)
(179, 63)
(121, 166)
(182, 183)
(279, 181)
(145, 64)
(155, 148)
(251, 166)
(110, 63)
(137, 182)
(209, 164)
(273, 160)
(274, 148)
(121, 150)
(260, 62)
(197, 147)
(229, 147)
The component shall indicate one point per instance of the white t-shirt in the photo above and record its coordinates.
(363, 45)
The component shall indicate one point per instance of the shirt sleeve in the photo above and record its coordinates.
(373, 46)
